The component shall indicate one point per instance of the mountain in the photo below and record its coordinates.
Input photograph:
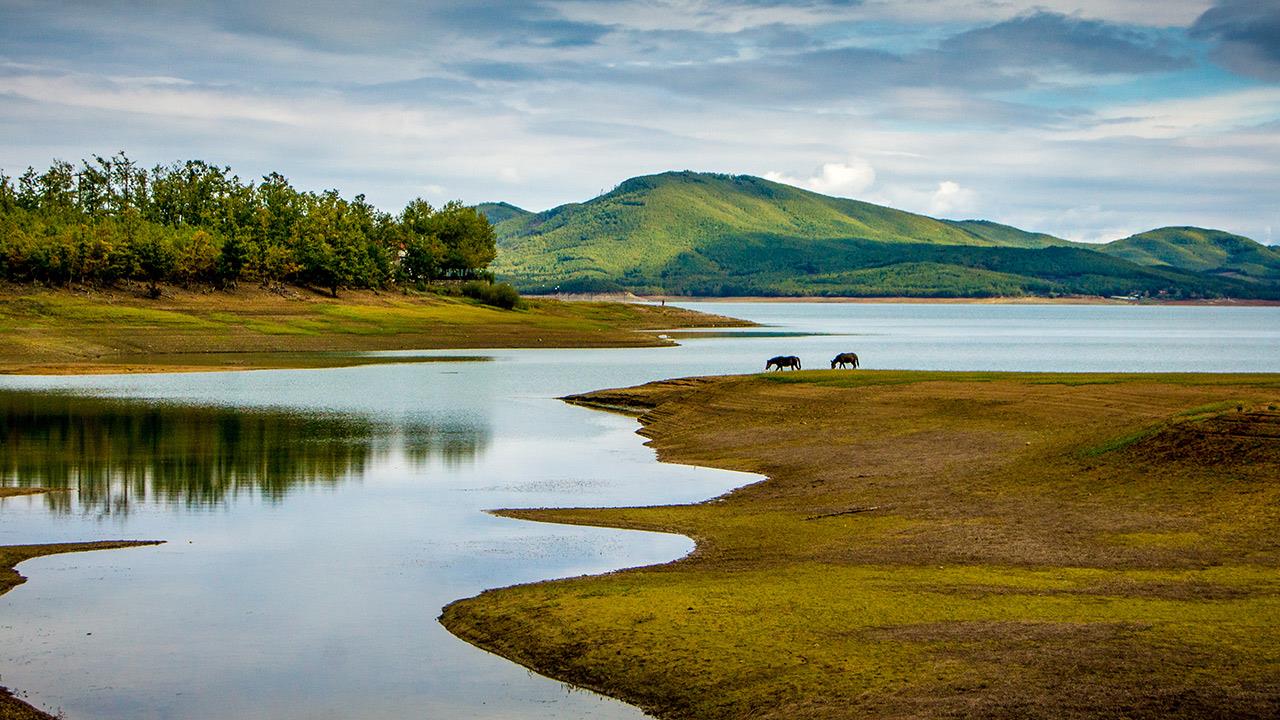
(498, 212)
(709, 234)
(1200, 250)
(998, 234)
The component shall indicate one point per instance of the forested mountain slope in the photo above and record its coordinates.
(709, 234)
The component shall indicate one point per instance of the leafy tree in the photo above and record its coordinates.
(421, 250)
(8, 194)
(468, 239)
(107, 219)
(195, 257)
(153, 257)
(56, 188)
(230, 262)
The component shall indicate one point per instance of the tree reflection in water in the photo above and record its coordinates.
(114, 452)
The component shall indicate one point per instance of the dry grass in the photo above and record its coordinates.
(89, 330)
(936, 545)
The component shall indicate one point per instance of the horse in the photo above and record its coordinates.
(782, 362)
(845, 359)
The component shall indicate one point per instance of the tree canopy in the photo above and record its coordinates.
(108, 219)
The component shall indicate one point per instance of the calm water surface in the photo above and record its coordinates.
(318, 520)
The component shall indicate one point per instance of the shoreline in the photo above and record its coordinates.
(1072, 300)
(95, 331)
(628, 634)
(626, 297)
(588, 325)
(11, 705)
(226, 362)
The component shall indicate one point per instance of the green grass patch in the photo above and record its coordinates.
(934, 545)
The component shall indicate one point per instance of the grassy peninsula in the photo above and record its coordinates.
(106, 266)
(934, 545)
(122, 330)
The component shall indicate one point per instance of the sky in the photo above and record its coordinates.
(1088, 119)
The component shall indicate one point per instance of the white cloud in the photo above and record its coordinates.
(732, 17)
(701, 15)
(949, 197)
(1165, 13)
(940, 199)
(1183, 116)
(843, 179)
(1195, 161)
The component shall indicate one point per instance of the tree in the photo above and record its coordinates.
(195, 257)
(321, 240)
(57, 188)
(8, 194)
(422, 253)
(469, 241)
(107, 218)
(153, 258)
(231, 260)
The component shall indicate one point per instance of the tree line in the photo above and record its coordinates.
(109, 219)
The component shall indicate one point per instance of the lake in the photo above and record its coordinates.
(317, 520)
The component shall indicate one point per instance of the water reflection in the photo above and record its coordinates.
(115, 453)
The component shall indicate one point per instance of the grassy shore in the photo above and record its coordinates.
(120, 330)
(12, 707)
(935, 545)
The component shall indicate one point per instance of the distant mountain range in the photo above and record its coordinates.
(689, 233)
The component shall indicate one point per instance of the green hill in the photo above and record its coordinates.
(708, 234)
(1200, 250)
(998, 234)
(497, 212)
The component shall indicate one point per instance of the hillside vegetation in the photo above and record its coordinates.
(707, 234)
(497, 212)
(1199, 250)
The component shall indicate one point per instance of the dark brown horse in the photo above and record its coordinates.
(782, 362)
(850, 359)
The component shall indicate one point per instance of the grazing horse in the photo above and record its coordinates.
(843, 359)
(782, 362)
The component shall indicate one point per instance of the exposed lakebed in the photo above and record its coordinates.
(317, 520)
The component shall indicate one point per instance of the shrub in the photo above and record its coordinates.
(499, 295)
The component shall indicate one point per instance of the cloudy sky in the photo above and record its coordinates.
(1090, 119)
